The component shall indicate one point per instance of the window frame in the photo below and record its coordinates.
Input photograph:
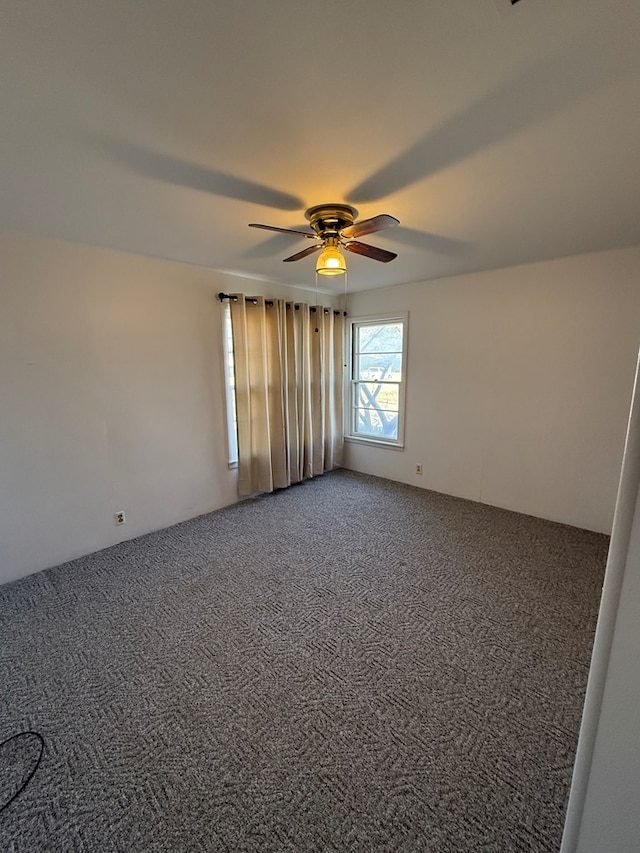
(229, 387)
(351, 383)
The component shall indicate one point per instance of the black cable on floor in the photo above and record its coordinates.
(37, 764)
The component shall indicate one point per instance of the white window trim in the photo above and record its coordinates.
(349, 435)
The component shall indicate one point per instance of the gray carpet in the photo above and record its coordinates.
(347, 665)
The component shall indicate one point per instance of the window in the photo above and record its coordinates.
(377, 376)
(230, 384)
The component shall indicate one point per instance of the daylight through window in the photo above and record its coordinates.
(230, 383)
(377, 380)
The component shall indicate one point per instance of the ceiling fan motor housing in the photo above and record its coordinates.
(328, 220)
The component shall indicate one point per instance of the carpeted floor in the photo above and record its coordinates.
(347, 665)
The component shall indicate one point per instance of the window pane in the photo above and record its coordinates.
(386, 337)
(376, 379)
(371, 395)
(376, 423)
(230, 383)
(386, 366)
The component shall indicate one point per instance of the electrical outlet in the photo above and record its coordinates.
(418, 469)
(120, 517)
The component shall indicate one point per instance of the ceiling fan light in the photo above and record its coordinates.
(331, 262)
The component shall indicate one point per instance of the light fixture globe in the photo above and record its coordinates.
(331, 262)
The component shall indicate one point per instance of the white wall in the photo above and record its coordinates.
(111, 391)
(518, 384)
(111, 397)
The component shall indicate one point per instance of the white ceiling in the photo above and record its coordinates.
(163, 128)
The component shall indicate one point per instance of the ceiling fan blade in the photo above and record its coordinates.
(303, 254)
(283, 230)
(368, 226)
(370, 251)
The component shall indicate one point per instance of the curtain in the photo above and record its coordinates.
(288, 376)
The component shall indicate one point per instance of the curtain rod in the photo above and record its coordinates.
(254, 300)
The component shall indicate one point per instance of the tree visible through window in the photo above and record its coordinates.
(377, 379)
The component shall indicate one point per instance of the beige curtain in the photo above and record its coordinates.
(288, 371)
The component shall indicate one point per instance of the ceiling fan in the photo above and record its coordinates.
(335, 227)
